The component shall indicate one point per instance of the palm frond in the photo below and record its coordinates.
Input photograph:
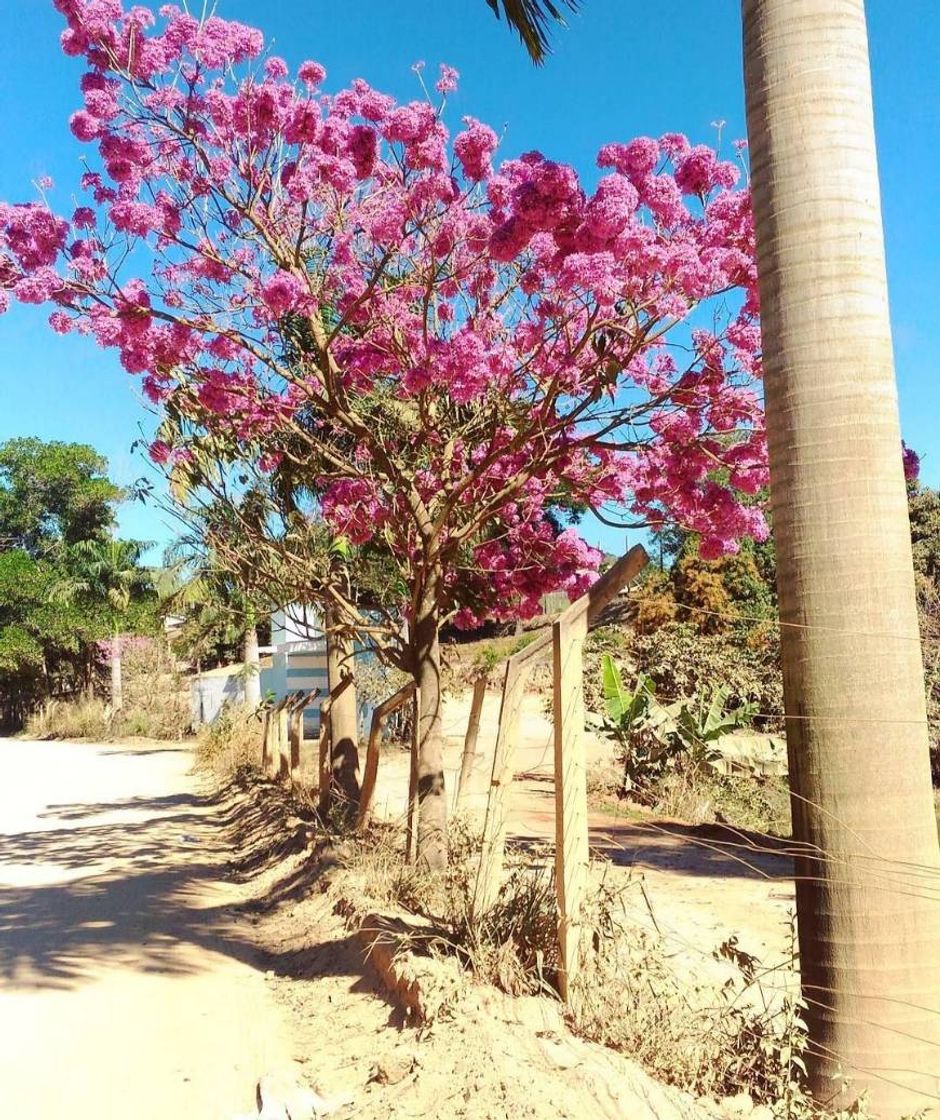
(531, 19)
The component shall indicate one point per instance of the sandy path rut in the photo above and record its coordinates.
(125, 988)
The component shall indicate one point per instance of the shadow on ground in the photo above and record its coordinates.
(718, 851)
(140, 893)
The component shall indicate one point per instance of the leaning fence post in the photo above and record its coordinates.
(470, 742)
(370, 773)
(296, 731)
(274, 741)
(266, 740)
(571, 829)
(489, 875)
(411, 831)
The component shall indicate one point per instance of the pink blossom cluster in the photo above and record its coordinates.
(459, 344)
(911, 461)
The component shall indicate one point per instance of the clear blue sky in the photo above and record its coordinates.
(620, 69)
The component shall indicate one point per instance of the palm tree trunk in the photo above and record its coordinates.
(252, 666)
(344, 717)
(117, 687)
(868, 891)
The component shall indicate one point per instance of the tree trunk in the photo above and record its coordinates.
(252, 667)
(88, 671)
(867, 886)
(117, 688)
(344, 717)
(432, 801)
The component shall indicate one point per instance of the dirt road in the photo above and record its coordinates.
(125, 987)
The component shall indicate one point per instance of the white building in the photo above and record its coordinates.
(298, 664)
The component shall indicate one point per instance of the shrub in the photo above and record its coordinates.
(653, 603)
(156, 703)
(232, 741)
(706, 797)
(684, 663)
(87, 718)
(490, 656)
(654, 738)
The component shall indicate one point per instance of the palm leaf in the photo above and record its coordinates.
(531, 19)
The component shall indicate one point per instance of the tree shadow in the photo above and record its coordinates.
(707, 850)
(145, 900)
(716, 851)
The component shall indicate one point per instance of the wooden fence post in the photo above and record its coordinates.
(274, 741)
(575, 619)
(489, 875)
(370, 773)
(266, 741)
(470, 742)
(571, 830)
(301, 703)
(411, 829)
(324, 762)
(283, 736)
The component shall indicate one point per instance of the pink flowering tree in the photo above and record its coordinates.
(442, 347)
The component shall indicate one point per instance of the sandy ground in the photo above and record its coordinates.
(137, 978)
(162, 948)
(699, 886)
(126, 989)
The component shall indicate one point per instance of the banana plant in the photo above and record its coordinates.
(641, 725)
(703, 720)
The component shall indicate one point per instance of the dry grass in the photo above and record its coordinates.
(89, 718)
(753, 803)
(156, 704)
(714, 1028)
(232, 742)
(714, 1036)
(708, 1036)
(698, 796)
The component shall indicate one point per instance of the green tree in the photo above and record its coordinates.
(218, 611)
(52, 493)
(106, 573)
(46, 647)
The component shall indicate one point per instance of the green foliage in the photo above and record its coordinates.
(53, 493)
(105, 574)
(626, 710)
(655, 738)
(924, 508)
(640, 725)
(683, 662)
(19, 651)
(490, 656)
(56, 510)
(705, 718)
